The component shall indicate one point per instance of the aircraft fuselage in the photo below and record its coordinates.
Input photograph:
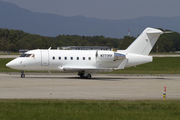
(86, 62)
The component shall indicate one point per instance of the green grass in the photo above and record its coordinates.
(164, 53)
(160, 65)
(3, 68)
(89, 110)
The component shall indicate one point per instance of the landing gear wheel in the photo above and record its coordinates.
(82, 75)
(88, 76)
(22, 75)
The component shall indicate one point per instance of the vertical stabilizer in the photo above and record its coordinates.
(145, 42)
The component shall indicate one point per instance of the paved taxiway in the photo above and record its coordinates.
(101, 86)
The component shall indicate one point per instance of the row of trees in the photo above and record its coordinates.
(13, 40)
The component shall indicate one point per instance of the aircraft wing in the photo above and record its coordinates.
(69, 68)
(92, 69)
(85, 68)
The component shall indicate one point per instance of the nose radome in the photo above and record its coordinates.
(15, 64)
(8, 64)
(11, 64)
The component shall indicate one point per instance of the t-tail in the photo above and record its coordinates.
(145, 42)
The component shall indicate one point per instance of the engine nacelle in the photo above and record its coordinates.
(109, 56)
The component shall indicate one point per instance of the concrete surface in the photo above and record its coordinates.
(9, 56)
(70, 86)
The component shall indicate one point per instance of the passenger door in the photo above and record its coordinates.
(45, 57)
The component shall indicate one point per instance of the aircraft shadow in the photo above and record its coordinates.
(98, 78)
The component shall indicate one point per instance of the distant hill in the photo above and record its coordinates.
(14, 17)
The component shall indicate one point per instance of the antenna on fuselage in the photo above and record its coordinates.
(96, 54)
(49, 48)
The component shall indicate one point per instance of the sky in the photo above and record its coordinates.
(103, 9)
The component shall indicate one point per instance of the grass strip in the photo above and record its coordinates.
(160, 65)
(3, 68)
(89, 109)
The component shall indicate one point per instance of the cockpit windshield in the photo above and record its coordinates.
(28, 55)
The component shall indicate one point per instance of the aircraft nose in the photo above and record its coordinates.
(9, 64)
(14, 64)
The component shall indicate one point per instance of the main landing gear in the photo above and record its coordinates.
(83, 75)
(22, 74)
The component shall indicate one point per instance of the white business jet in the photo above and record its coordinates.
(87, 62)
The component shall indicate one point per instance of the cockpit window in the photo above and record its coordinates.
(23, 55)
(28, 55)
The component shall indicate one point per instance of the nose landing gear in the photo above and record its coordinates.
(22, 74)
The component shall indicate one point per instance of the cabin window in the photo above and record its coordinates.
(83, 58)
(65, 58)
(59, 58)
(53, 58)
(77, 58)
(89, 58)
(71, 58)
